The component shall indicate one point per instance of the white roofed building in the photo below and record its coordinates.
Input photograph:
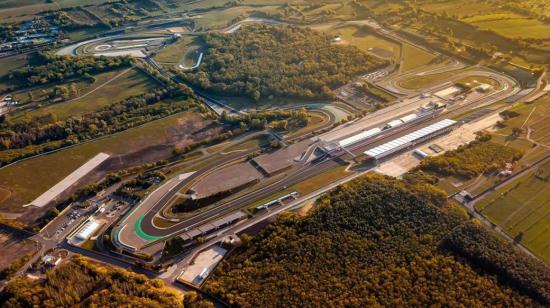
(359, 137)
(394, 123)
(413, 138)
(448, 92)
(484, 88)
(409, 118)
(87, 230)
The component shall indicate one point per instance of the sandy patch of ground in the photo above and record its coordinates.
(306, 207)
(204, 263)
(5, 194)
(398, 165)
(13, 247)
(177, 30)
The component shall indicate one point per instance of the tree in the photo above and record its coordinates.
(280, 125)
(256, 95)
(73, 91)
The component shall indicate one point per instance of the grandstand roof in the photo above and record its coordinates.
(87, 230)
(390, 147)
(359, 137)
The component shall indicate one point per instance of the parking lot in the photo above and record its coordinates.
(77, 213)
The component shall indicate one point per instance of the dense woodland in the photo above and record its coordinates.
(53, 68)
(473, 159)
(494, 255)
(83, 283)
(372, 242)
(260, 61)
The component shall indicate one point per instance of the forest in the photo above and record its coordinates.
(53, 68)
(376, 241)
(261, 61)
(471, 160)
(477, 245)
(80, 282)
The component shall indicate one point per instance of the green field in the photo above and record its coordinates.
(425, 81)
(319, 181)
(366, 41)
(13, 63)
(9, 64)
(81, 34)
(414, 57)
(185, 51)
(117, 87)
(221, 18)
(534, 116)
(256, 142)
(460, 9)
(475, 81)
(511, 25)
(29, 178)
(19, 10)
(522, 209)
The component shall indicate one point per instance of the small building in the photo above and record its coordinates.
(359, 137)
(409, 118)
(393, 124)
(267, 205)
(448, 92)
(50, 261)
(410, 139)
(465, 196)
(421, 154)
(484, 88)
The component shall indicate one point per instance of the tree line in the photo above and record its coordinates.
(54, 68)
(45, 133)
(260, 119)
